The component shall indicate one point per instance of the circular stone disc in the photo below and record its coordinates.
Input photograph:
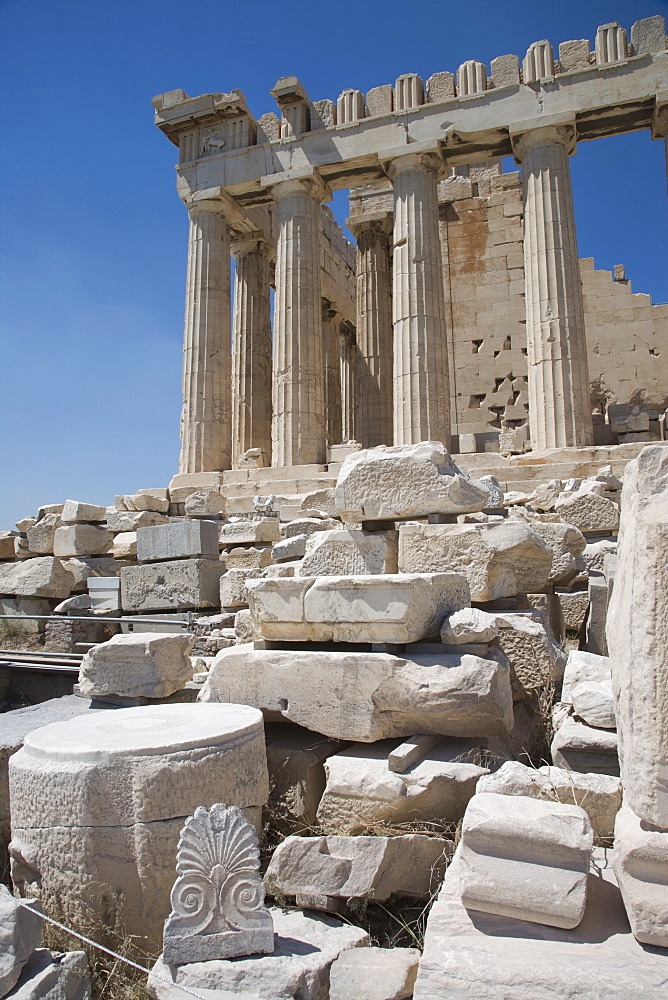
(146, 731)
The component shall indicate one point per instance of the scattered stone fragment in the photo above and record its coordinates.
(253, 557)
(469, 625)
(305, 945)
(74, 511)
(295, 758)
(366, 696)
(147, 664)
(43, 576)
(640, 861)
(600, 795)
(587, 687)
(205, 503)
(82, 539)
(525, 858)
(125, 545)
(150, 501)
(264, 532)
(374, 974)
(53, 975)
(20, 934)
(535, 657)
(579, 747)
(245, 627)
(132, 520)
(405, 481)
(363, 792)
(498, 560)
(233, 591)
(289, 549)
(324, 872)
(588, 512)
(42, 535)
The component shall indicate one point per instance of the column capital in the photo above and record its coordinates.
(370, 222)
(347, 332)
(544, 135)
(289, 182)
(215, 200)
(252, 243)
(406, 158)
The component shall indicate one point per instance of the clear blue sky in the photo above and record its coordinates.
(93, 242)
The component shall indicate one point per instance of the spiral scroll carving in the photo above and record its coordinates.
(218, 898)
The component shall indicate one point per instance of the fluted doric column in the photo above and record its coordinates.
(251, 368)
(206, 434)
(298, 424)
(330, 348)
(421, 393)
(348, 361)
(373, 406)
(559, 395)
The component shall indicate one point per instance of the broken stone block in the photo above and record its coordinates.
(42, 535)
(7, 549)
(535, 657)
(96, 801)
(179, 540)
(350, 552)
(545, 496)
(20, 934)
(305, 945)
(567, 544)
(295, 759)
(43, 576)
(374, 973)
(640, 862)
(245, 627)
(25, 523)
(600, 795)
(282, 569)
(179, 583)
(587, 687)
(469, 625)
(595, 553)
(148, 664)
(125, 545)
(384, 608)
(150, 501)
(233, 592)
(324, 872)
(404, 481)
(321, 500)
(131, 520)
(366, 696)
(574, 607)
(491, 957)
(637, 636)
(525, 858)
(83, 569)
(218, 848)
(410, 752)
(362, 791)
(205, 503)
(81, 539)
(248, 558)
(579, 747)
(250, 532)
(74, 511)
(649, 35)
(588, 512)
(308, 526)
(289, 549)
(54, 975)
(498, 560)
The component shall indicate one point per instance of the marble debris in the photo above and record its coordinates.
(374, 974)
(525, 858)
(145, 664)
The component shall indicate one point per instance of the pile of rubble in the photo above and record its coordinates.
(384, 671)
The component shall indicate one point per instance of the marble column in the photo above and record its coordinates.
(251, 365)
(298, 424)
(374, 332)
(559, 395)
(421, 394)
(348, 361)
(206, 433)
(332, 363)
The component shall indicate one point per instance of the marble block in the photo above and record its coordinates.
(43, 576)
(177, 583)
(350, 552)
(366, 696)
(82, 540)
(179, 540)
(640, 862)
(146, 664)
(374, 973)
(579, 747)
(525, 858)
(20, 934)
(75, 511)
(405, 481)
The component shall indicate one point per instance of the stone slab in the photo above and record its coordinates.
(178, 583)
(146, 665)
(366, 696)
(179, 540)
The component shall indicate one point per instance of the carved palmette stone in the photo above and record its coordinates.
(217, 900)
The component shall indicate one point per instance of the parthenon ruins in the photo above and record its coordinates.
(379, 349)
(369, 700)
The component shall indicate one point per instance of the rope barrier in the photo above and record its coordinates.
(108, 951)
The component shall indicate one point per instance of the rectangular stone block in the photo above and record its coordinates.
(579, 747)
(640, 862)
(349, 552)
(366, 696)
(75, 511)
(525, 858)
(574, 54)
(387, 608)
(81, 540)
(127, 520)
(180, 583)
(43, 576)
(250, 532)
(505, 71)
(179, 540)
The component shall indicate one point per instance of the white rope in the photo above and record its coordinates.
(114, 954)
